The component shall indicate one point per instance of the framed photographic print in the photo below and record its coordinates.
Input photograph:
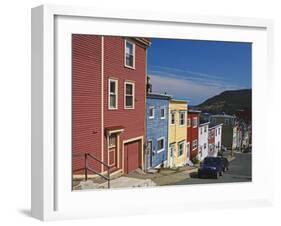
(147, 111)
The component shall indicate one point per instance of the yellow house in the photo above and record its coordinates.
(177, 152)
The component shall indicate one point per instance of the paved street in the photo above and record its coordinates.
(239, 171)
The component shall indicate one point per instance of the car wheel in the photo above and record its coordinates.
(221, 173)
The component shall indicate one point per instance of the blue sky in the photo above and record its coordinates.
(196, 70)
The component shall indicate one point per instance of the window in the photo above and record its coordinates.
(180, 148)
(129, 54)
(112, 141)
(160, 144)
(173, 118)
(162, 112)
(112, 94)
(194, 144)
(216, 132)
(129, 95)
(182, 118)
(205, 145)
(227, 121)
(219, 131)
(201, 130)
(205, 129)
(194, 122)
(151, 112)
(188, 122)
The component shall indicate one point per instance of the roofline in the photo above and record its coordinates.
(194, 111)
(179, 101)
(158, 94)
(221, 115)
(216, 126)
(203, 124)
(144, 41)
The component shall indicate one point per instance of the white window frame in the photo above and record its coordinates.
(179, 143)
(226, 121)
(182, 112)
(196, 122)
(133, 94)
(134, 54)
(162, 117)
(161, 138)
(193, 144)
(116, 93)
(173, 114)
(153, 109)
(112, 146)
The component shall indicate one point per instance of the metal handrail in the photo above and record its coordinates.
(87, 168)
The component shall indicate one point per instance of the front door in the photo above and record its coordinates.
(149, 154)
(172, 150)
(188, 151)
(112, 150)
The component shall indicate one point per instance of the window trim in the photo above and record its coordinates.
(193, 118)
(133, 94)
(134, 54)
(182, 125)
(196, 145)
(164, 146)
(116, 93)
(173, 113)
(179, 143)
(162, 108)
(151, 107)
(112, 146)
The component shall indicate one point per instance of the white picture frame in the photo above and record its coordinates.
(52, 197)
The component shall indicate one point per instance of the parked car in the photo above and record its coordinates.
(211, 167)
(225, 163)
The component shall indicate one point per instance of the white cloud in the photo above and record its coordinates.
(196, 90)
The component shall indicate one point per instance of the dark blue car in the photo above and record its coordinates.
(211, 167)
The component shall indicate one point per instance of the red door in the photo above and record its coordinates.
(132, 156)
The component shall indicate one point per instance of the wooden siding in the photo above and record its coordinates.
(177, 134)
(86, 98)
(192, 134)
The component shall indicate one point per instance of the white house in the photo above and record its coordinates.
(203, 140)
(215, 138)
(218, 138)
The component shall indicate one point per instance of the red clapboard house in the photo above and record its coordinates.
(108, 102)
(192, 133)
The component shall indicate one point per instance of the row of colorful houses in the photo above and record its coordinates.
(119, 122)
(174, 135)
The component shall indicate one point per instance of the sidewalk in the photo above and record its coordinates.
(138, 178)
(166, 176)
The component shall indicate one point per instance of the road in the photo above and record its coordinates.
(240, 170)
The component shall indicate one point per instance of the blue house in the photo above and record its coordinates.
(157, 118)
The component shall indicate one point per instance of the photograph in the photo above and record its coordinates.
(152, 112)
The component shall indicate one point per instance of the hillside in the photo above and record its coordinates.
(227, 101)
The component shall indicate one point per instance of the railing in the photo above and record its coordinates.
(87, 168)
